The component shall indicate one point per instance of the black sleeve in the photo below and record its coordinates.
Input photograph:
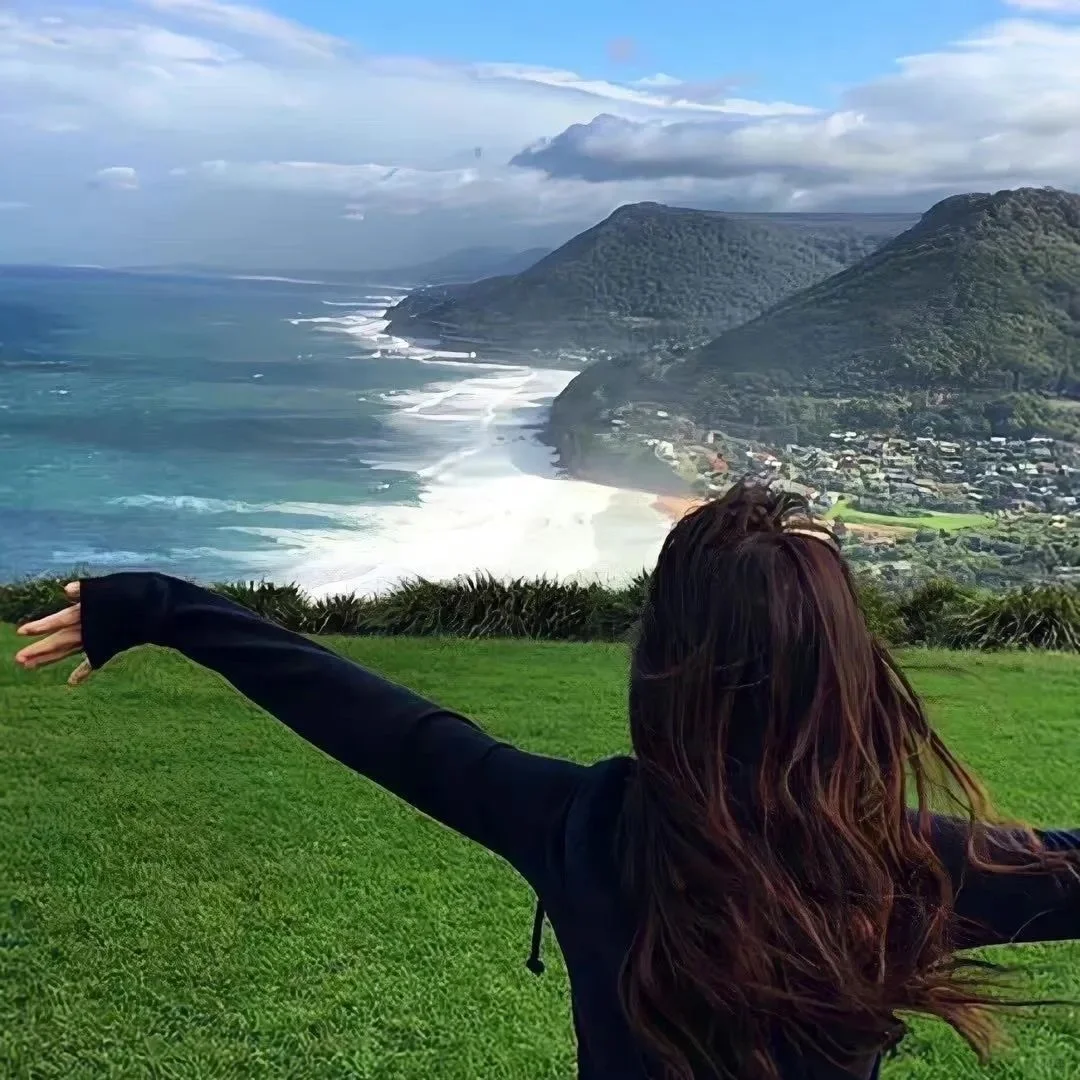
(441, 763)
(1018, 906)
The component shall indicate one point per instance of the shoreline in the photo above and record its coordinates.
(496, 493)
(675, 507)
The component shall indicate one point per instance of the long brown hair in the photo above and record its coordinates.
(785, 887)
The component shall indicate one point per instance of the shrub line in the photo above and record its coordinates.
(940, 613)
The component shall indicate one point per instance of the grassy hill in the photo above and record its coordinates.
(187, 889)
(982, 294)
(646, 273)
(967, 323)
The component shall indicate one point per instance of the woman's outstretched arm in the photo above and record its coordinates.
(1018, 905)
(440, 762)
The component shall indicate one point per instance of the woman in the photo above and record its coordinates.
(748, 895)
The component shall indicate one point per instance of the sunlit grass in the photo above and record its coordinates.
(188, 890)
(928, 519)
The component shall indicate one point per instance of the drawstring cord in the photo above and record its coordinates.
(534, 963)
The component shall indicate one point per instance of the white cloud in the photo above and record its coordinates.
(229, 117)
(211, 81)
(677, 94)
(13, 205)
(998, 109)
(117, 177)
(249, 21)
(165, 85)
(522, 196)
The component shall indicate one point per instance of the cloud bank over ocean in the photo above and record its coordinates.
(172, 130)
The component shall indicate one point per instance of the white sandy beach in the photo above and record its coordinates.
(493, 501)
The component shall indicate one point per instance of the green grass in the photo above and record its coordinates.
(928, 519)
(187, 890)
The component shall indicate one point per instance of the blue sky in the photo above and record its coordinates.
(308, 133)
(798, 49)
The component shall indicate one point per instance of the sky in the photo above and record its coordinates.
(325, 134)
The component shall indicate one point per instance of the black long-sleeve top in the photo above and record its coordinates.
(554, 821)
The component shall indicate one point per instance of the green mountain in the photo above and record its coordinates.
(969, 322)
(646, 274)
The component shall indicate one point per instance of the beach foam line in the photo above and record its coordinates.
(493, 501)
(515, 526)
(197, 504)
(346, 323)
(488, 365)
(370, 327)
(84, 555)
(193, 503)
(364, 302)
(280, 280)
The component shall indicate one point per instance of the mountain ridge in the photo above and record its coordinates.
(645, 273)
(983, 292)
(968, 322)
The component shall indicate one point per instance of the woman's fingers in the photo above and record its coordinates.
(57, 646)
(60, 637)
(71, 616)
(80, 674)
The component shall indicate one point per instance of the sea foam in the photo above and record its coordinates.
(492, 498)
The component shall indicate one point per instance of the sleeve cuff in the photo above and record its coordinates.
(120, 612)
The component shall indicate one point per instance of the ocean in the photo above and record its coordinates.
(226, 428)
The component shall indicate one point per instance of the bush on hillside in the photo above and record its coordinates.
(33, 598)
(470, 607)
(284, 604)
(880, 608)
(941, 613)
(482, 606)
(1032, 617)
(928, 611)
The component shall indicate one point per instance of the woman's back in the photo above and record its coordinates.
(782, 886)
(750, 895)
(595, 919)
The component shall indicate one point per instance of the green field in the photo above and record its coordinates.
(928, 519)
(187, 890)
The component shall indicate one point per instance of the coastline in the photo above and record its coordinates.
(491, 488)
(675, 507)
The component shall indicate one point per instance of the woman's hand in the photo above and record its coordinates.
(64, 639)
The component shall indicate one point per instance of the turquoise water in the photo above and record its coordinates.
(158, 421)
(224, 429)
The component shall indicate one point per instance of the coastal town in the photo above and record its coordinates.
(1007, 508)
(878, 472)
